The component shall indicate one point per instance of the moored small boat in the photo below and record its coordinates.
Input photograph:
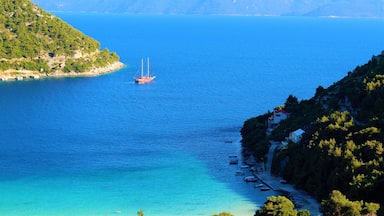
(250, 179)
(265, 189)
(258, 185)
(234, 161)
(240, 173)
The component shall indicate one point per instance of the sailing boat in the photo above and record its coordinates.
(144, 78)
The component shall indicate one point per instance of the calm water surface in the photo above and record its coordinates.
(105, 146)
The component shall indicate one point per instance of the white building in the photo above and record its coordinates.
(277, 117)
(296, 135)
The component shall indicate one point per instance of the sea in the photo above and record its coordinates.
(107, 146)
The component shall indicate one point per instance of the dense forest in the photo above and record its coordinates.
(341, 153)
(34, 40)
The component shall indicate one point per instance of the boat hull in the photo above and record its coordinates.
(144, 79)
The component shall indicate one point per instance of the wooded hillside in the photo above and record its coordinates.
(342, 147)
(33, 40)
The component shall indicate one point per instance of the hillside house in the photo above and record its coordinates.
(296, 135)
(277, 117)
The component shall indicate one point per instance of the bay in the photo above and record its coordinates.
(106, 146)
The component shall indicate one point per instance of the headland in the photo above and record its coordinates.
(15, 75)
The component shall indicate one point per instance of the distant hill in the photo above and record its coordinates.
(34, 42)
(343, 8)
(343, 144)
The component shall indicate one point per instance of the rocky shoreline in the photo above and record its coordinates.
(300, 198)
(16, 75)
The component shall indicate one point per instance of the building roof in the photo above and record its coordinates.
(298, 132)
(281, 111)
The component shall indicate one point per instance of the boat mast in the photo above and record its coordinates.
(142, 67)
(148, 67)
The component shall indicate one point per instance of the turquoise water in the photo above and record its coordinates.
(106, 146)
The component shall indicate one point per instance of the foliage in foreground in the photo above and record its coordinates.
(280, 206)
(338, 205)
(223, 214)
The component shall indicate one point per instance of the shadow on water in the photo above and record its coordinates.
(223, 146)
(217, 147)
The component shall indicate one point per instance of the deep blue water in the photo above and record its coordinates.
(104, 145)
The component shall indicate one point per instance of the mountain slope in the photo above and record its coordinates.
(34, 41)
(342, 147)
(350, 8)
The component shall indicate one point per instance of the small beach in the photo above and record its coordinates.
(300, 198)
(256, 174)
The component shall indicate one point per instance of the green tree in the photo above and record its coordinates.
(140, 213)
(338, 205)
(291, 104)
(303, 212)
(370, 209)
(254, 135)
(277, 206)
(223, 214)
(319, 91)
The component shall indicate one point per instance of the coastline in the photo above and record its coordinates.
(16, 75)
(300, 198)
